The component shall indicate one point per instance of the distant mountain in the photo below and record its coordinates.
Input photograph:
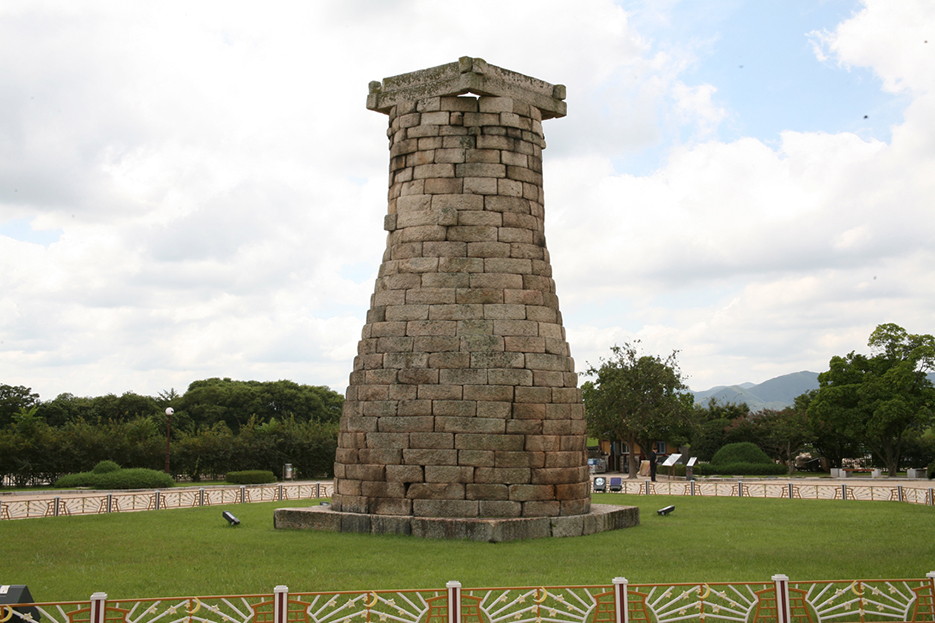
(776, 393)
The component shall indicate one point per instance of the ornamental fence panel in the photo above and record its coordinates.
(79, 503)
(772, 489)
(92, 503)
(778, 600)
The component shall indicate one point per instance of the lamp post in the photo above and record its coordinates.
(169, 412)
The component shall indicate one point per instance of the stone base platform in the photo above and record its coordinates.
(603, 517)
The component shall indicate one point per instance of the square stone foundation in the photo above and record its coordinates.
(603, 517)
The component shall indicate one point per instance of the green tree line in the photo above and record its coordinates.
(219, 425)
(879, 406)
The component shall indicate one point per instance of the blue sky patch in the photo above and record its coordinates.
(21, 229)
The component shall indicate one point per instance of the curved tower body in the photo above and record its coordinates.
(463, 401)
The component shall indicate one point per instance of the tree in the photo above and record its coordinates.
(713, 421)
(784, 434)
(830, 442)
(637, 399)
(235, 402)
(878, 400)
(13, 399)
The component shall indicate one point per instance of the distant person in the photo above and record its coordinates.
(652, 465)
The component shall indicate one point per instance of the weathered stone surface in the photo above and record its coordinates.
(463, 399)
(497, 521)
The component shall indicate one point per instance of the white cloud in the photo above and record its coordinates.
(220, 187)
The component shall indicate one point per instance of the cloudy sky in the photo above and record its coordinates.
(196, 189)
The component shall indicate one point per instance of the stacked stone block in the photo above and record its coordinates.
(463, 401)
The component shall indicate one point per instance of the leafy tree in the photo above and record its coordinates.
(784, 434)
(214, 400)
(714, 420)
(918, 450)
(830, 442)
(880, 399)
(13, 399)
(637, 399)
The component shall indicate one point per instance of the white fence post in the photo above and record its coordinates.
(622, 606)
(454, 601)
(783, 609)
(98, 603)
(280, 604)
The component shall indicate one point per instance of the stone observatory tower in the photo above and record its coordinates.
(463, 418)
(463, 401)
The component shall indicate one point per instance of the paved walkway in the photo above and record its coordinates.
(45, 494)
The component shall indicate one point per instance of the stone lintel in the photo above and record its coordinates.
(467, 75)
(601, 518)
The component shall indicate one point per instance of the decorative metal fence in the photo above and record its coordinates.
(773, 489)
(188, 497)
(778, 600)
(182, 497)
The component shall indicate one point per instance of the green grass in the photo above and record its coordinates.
(195, 552)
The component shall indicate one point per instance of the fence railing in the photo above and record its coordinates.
(183, 497)
(93, 503)
(779, 600)
(773, 489)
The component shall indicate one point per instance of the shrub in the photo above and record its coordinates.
(105, 467)
(743, 452)
(81, 479)
(250, 477)
(136, 478)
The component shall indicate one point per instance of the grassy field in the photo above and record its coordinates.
(195, 552)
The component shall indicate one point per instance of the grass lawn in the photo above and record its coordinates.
(195, 552)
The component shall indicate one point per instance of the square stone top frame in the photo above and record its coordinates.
(467, 75)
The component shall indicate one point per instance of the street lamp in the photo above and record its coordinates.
(169, 412)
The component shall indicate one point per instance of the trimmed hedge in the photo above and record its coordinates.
(743, 452)
(105, 467)
(81, 479)
(136, 478)
(250, 477)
